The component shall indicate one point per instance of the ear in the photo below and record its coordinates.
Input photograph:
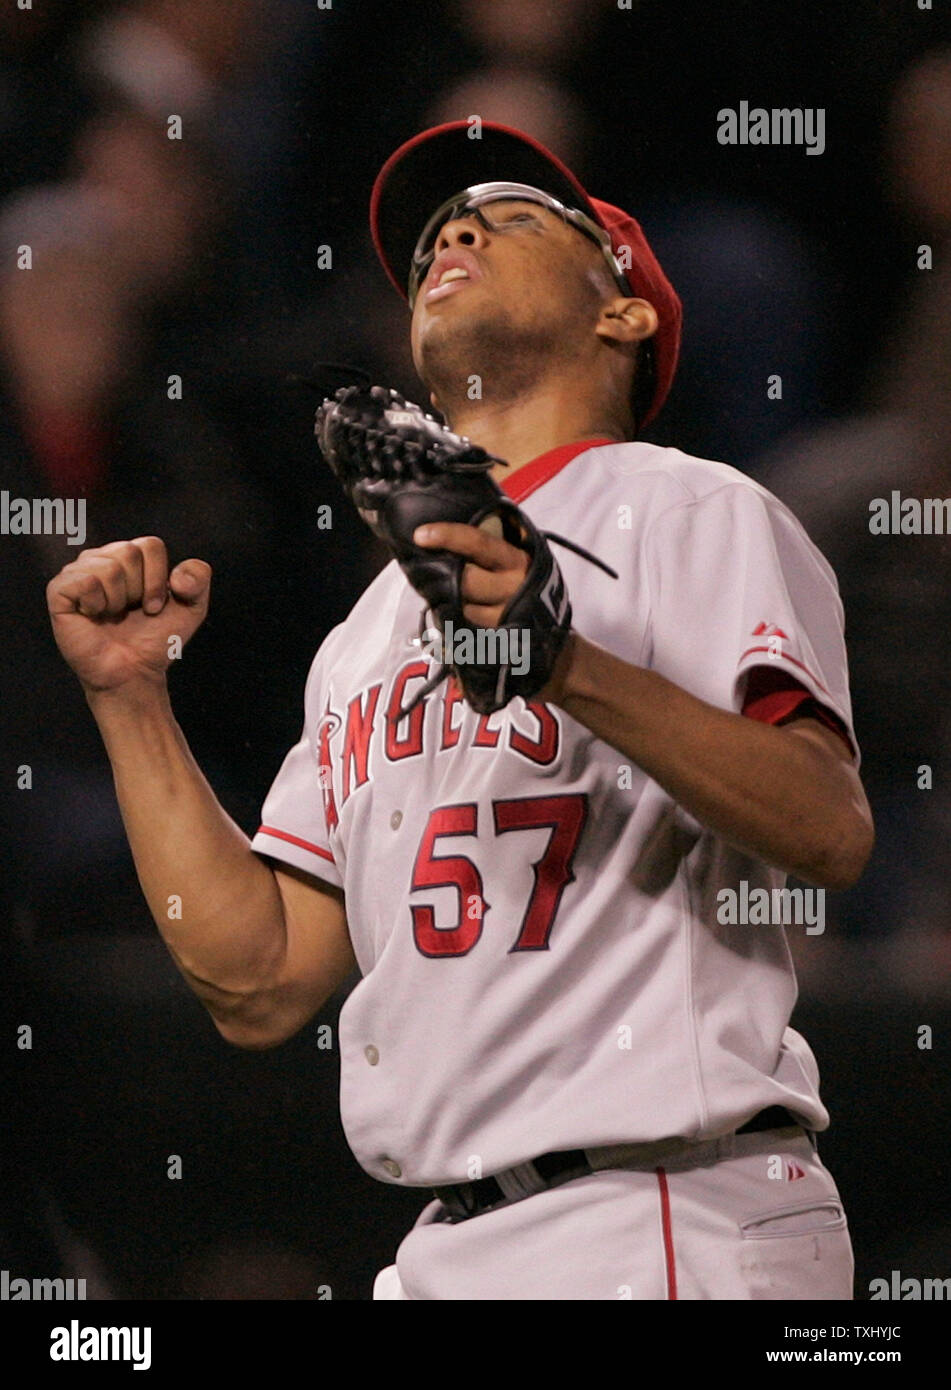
(627, 320)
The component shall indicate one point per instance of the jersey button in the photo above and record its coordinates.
(371, 1054)
(396, 820)
(392, 1167)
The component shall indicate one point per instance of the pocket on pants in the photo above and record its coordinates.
(798, 1252)
(801, 1219)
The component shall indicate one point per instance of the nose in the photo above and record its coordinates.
(461, 231)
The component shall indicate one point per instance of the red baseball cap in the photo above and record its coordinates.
(438, 163)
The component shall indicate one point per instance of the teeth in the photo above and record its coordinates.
(456, 274)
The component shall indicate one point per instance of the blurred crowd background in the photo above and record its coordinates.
(198, 258)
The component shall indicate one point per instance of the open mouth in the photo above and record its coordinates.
(452, 271)
(448, 283)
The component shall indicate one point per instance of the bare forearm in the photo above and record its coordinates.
(216, 904)
(767, 791)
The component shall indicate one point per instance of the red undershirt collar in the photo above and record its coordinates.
(532, 475)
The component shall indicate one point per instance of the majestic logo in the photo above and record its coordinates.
(783, 1169)
(769, 630)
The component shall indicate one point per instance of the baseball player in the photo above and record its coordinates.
(559, 1036)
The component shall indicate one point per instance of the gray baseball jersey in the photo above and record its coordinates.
(544, 966)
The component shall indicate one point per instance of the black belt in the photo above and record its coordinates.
(465, 1199)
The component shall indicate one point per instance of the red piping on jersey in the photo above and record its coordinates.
(531, 475)
(669, 1261)
(294, 840)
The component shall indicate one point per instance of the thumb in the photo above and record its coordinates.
(189, 582)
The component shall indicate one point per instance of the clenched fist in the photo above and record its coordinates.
(118, 614)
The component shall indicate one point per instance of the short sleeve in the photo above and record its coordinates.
(736, 584)
(299, 813)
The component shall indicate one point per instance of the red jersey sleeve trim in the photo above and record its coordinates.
(775, 697)
(778, 705)
(802, 666)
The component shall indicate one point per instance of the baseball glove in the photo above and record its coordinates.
(401, 468)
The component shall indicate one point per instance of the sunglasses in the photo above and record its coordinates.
(476, 202)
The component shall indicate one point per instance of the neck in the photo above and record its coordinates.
(541, 419)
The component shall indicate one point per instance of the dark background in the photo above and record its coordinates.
(199, 258)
